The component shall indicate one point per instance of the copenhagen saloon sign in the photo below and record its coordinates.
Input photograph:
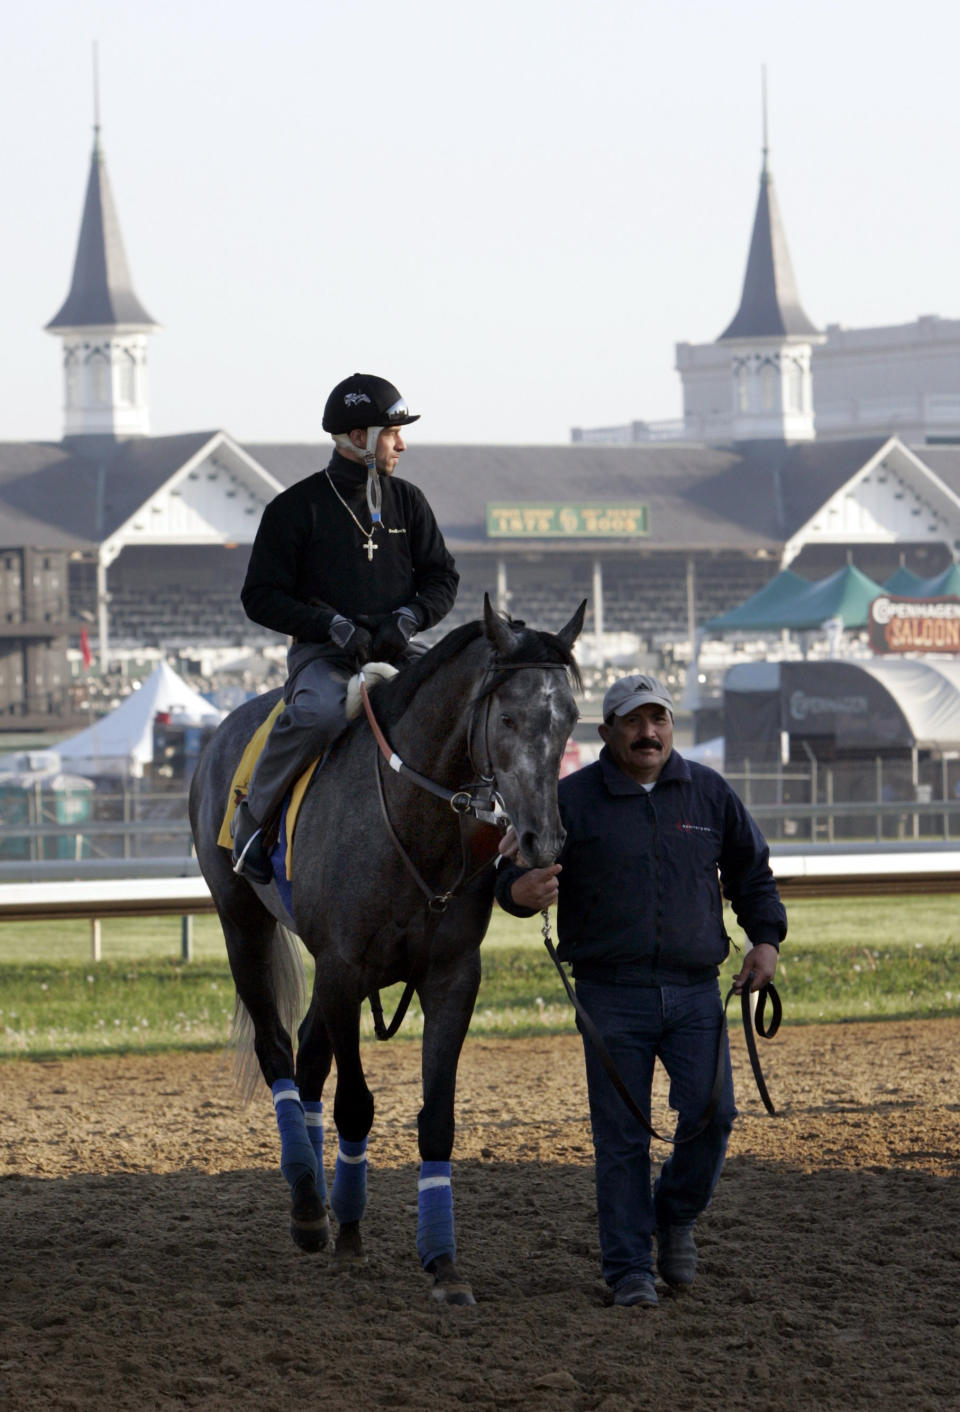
(915, 624)
(587, 519)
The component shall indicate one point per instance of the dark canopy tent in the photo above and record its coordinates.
(875, 706)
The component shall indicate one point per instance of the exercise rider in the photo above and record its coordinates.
(351, 564)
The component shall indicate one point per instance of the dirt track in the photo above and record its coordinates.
(145, 1261)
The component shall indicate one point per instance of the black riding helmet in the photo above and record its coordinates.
(365, 401)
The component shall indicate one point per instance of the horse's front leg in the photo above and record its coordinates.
(447, 996)
(352, 1105)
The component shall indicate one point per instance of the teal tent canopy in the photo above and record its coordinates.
(846, 595)
(904, 583)
(789, 601)
(946, 583)
(762, 612)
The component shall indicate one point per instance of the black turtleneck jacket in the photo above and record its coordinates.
(308, 560)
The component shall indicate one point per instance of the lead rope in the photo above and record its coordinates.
(590, 1029)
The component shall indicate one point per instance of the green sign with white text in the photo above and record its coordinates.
(567, 521)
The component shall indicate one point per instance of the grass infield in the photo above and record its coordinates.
(857, 959)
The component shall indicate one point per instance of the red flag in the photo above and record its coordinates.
(85, 649)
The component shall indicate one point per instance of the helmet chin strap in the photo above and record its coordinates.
(374, 493)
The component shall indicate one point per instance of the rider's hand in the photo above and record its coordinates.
(759, 967)
(354, 641)
(391, 638)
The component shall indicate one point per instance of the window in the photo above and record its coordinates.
(71, 368)
(98, 375)
(128, 378)
(794, 386)
(768, 387)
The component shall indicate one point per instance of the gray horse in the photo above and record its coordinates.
(392, 881)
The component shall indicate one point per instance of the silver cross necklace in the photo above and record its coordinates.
(369, 546)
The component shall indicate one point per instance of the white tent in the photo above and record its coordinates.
(122, 742)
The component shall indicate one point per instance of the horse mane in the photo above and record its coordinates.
(395, 696)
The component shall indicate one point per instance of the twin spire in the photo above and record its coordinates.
(769, 305)
(101, 292)
(770, 337)
(102, 324)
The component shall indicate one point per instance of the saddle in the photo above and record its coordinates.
(373, 673)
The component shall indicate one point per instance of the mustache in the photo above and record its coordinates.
(646, 743)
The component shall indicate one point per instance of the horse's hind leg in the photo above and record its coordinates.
(268, 976)
(314, 1057)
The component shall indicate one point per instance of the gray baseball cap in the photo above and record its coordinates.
(630, 692)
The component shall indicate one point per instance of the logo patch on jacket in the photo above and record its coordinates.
(686, 827)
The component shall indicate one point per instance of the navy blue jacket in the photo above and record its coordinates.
(640, 895)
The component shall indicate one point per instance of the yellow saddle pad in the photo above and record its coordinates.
(241, 783)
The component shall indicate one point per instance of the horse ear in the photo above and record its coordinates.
(572, 631)
(500, 633)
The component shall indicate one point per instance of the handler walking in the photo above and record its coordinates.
(351, 564)
(640, 917)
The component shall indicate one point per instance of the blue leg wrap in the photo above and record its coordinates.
(435, 1212)
(313, 1112)
(296, 1152)
(349, 1194)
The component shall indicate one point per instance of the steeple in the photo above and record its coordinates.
(769, 304)
(102, 323)
(770, 336)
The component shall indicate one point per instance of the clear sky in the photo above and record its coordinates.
(512, 209)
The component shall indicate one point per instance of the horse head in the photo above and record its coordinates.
(528, 714)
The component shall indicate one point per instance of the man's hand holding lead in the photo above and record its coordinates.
(538, 888)
(759, 967)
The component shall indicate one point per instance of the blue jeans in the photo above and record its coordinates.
(678, 1024)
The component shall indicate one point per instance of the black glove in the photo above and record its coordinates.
(354, 641)
(393, 635)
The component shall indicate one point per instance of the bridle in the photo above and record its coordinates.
(479, 800)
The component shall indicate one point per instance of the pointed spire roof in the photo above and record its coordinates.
(101, 292)
(770, 304)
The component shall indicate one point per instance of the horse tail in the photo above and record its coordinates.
(288, 981)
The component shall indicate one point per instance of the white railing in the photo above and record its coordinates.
(829, 871)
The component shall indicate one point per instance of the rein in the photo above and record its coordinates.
(465, 802)
(749, 1019)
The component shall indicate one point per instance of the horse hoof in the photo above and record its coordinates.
(349, 1246)
(310, 1235)
(460, 1293)
(309, 1223)
(448, 1287)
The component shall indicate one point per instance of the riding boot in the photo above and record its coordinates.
(250, 857)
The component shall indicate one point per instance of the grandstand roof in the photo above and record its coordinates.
(743, 498)
(944, 461)
(748, 496)
(88, 487)
(101, 292)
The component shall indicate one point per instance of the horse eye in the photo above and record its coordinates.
(508, 721)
